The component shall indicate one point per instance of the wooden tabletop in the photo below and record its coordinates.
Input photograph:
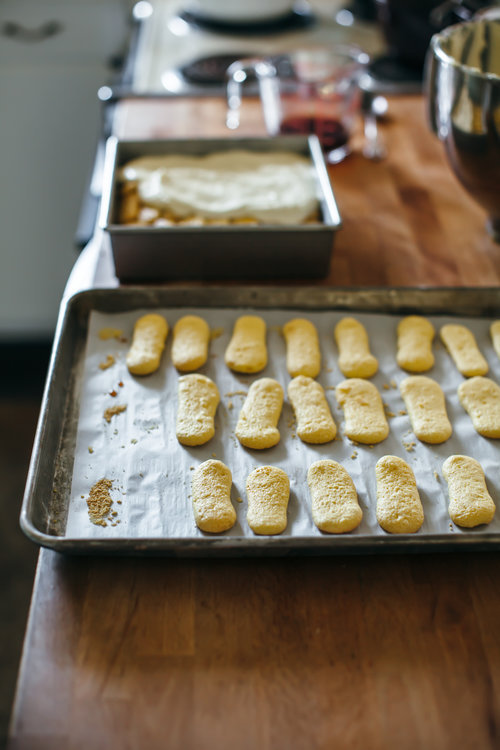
(406, 220)
(331, 652)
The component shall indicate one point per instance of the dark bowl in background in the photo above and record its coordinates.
(408, 25)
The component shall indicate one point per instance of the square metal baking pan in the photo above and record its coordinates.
(46, 499)
(153, 253)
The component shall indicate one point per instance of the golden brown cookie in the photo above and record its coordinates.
(462, 346)
(480, 398)
(495, 336)
(257, 425)
(334, 500)
(315, 423)
(198, 398)
(365, 420)
(355, 358)
(399, 509)
(470, 502)
(303, 356)
(268, 491)
(247, 350)
(190, 343)
(415, 337)
(211, 494)
(148, 343)
(426, 406)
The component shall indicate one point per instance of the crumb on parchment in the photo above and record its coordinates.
(113, 411)
(216, 333)
(99, 502)
(108, 362)
(409, 446)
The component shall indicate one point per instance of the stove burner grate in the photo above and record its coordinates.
(298, 18)
(211, 69)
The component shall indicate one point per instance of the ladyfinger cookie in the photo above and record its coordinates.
(334, 500)
(303, 356)
(399, 509)
(198, 398)
(365, 420)
(495, 336)
(461, 344)
(480, 398)
(190, 343)
(315, 423)
(426, 406)
(470, 502)
(355, 358)
(148, 343)
(415, 337)
(129, 205)
(211, 495)
(257, 425)
(247, 350)
(268, 491)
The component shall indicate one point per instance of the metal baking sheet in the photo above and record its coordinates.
(74, 447)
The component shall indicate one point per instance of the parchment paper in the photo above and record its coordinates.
(151, 471)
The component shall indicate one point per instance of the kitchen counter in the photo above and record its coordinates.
(348, 652)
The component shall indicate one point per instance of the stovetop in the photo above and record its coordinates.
(175, 50)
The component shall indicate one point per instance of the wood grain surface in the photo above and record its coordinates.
(368, 652)
(351, 652)
(407, 221)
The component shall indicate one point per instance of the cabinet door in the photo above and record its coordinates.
(61, 31)
(49, 128)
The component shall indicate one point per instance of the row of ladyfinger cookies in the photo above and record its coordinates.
(362, 404)
(334, 501)
(364, 415)
(247, 349)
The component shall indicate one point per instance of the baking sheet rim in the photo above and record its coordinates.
(200, 546)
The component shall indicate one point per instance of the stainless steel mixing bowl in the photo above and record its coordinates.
(463, 95)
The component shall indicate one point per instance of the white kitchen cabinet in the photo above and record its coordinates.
(49, 127)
